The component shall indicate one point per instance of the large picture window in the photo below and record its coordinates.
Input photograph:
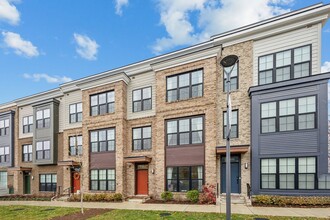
(142, 138)
(183, 179)
(288, 115)
(103, 180)
(47, 182)
(43, 150)
(4, 127)
(285, 65)
(4, 154)
(142, 99)
(75, 112)
(75, 145)
(27, 124)
(102, 103)
(43, 118)
(27, 153)
(234, 124)
(185, 131)
(185, 86)
(103, 140)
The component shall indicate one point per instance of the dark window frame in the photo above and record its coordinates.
(52, 185)
(98, 180)
(4, 158)
(225, 126)
(27, 155)
(5, 130)
(98, 105)
(27, 128)
(76, 114)
(177, 179)
(189, 86)
(142, 100)
(43, 150)
(292, 65)
(98, 140)
(231, 77)
(142, 138)
(79, 150)
(43, 119)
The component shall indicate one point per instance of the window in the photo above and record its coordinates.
(75, 113)
(43, 118)
(103, 140)
(103, 103)
(47, 182)
(142, 138)
(4, 127)
(3, 179)
(4, 154)
(234, 124)
(75, 145)
(285, 65)
(185, 131)
(142, 99)
(27, 124)
(185, 86)
(324, 181)
(288, 173)
(288, 115)
(233, 78)
(183, 179)
(104, 180)
(43, 150)
(27, 153)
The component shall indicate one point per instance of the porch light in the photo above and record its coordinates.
(228, 61)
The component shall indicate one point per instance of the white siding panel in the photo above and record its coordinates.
(70, 98)
(292, 39)
(141, 81)
(60, 114)
(23, 112)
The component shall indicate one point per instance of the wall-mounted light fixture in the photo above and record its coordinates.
(246, 165)
(152, 171)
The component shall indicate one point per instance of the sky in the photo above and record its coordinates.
(46, 43)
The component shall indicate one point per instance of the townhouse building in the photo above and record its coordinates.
(158, 125)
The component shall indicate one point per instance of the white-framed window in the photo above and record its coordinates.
(42, 150)
(75, 114)
(27, 124)
(43, 118)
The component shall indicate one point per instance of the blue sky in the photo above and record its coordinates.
(45, 43)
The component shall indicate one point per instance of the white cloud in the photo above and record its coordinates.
(119, 5)
(8, 12)
(193, 21)
(325, 67)
(50, 79)
(19, 45)
(86, 47)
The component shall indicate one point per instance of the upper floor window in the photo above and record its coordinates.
(43, 118)
(103, 180)
(234, 124)
(288, 115)
(142, 99)
(185, 131)
(103, 103)
(43, 150)
(142, 138)
(285, 65)
(185, 86)
(103, 140)
(75, 112)
(4, 154)
(27, 153)
(27, 124)
(75, 145)
(48, 182)
(233, 78)
(4, 127)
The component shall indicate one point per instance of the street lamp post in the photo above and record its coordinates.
(228, 61)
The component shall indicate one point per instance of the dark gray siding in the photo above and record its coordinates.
(299, 143)
(8, 140)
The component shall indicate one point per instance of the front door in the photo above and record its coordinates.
(27, 183)
(75, 182)
(142, 179)
(235, 174)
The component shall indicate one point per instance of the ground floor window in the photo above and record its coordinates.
(48, 182)
(104, 180)
(183, 179)
(288, 173)
(3, 180)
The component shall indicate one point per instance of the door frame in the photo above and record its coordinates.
(239, 172)
(135, 175)
(25, 174)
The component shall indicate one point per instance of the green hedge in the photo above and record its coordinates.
(271, 200)
(25, 198)
(167, 196)
(98, 197)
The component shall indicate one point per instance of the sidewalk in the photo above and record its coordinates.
(236, 208)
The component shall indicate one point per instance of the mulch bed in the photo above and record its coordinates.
(88, 213)
(290, 206)
(155, 201)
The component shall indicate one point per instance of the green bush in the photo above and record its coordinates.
(98, 197)
(166, 196)
(271, 200)
(193, 196)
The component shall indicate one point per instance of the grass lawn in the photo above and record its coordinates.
(133, 214)
(33, 212)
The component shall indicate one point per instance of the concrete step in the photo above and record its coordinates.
(235, 199)
(63, 198)
(138, 199)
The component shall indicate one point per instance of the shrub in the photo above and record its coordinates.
(193, 196)
(98, 197)
(271, 200)
(208, 195)
(166, 196)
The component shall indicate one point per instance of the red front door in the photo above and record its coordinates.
(75, 182)
(142, 182)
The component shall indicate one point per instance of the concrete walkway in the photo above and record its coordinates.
(236, 208)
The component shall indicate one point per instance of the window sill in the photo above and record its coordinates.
(186, 145)
(110, 113)
(182, 100)
(102, 191)
(142, 150)
(103, 152)
(288, 132)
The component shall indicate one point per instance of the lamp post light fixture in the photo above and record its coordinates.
(228, 61)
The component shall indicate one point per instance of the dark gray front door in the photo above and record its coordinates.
(235, 174)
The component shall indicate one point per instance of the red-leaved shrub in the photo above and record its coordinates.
(208, 195)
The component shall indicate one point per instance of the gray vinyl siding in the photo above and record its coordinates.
(8, 140)
(298, 143)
